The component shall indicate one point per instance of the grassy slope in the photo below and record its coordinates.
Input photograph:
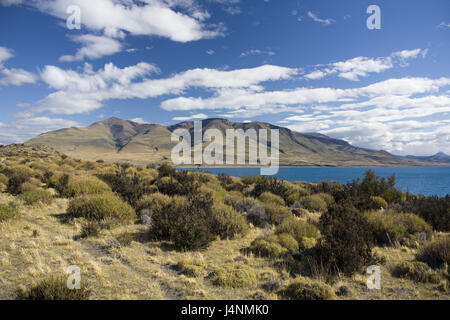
(146, 270)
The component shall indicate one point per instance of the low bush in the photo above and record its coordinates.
(129, 185)
(17, 177)
(188, 223)
(37, 196)
(268, 247)
(417, 271)
(436, 253)
(390, 227)
(153, 202)
(287, 241)
(71, 186)
(270, 198)
(314, 202)
(303, 232)
(258, 216)
(228, 223)
(307, 289)
(276, 214)
(101, 207)
(54, 288)
(7, 212)
(234, 276)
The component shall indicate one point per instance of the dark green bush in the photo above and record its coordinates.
(100, 207)
(268, 247)
(54, 288)
(434, 210)
(346, 243)
(272, 185)
(189, 224)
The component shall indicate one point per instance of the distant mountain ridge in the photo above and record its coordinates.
(115, 139)
(440, 158)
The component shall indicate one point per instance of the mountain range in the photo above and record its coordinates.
(115, 139)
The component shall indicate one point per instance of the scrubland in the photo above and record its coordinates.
(157, 233)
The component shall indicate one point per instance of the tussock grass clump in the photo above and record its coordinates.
(7, 212)
(228, 223)
(101, 207)
(234, 276)
(90, 229)
(37, 196)
(54, 288)
(389, 227)
(270, 198)
(307, 289)
(436, 253)
(417, 271)
(191, 267)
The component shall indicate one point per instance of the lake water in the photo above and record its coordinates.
(417, 180)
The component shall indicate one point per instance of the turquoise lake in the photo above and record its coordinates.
(417, 180)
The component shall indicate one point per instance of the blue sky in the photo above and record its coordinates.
(312, 66)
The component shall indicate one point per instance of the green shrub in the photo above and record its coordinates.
(233, 276)
(154, 202)
(307, 289)
(273, 246)
(314, 203)
(287, 241)
(18, 176)
(268, 247)
(228, 223)
(270, 198)
(54, 288)
(300, 230)
(379, 201)
(71, 186)
(389, 227)
(436, 253)
(188, 223)
(36, 196)
(7, 212)
(272, 185)
(129, 185)
(328, 198)
(277, 214)
(417, 271)
(346, 243)
(100, 207)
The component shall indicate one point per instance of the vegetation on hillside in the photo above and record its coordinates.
(192, 234)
